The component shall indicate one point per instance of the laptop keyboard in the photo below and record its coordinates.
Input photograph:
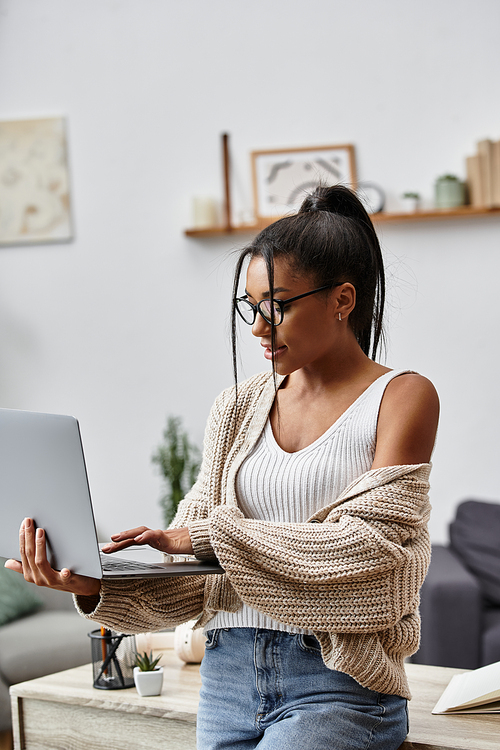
(117, 564)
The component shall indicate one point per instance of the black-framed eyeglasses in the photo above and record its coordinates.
(272, 311)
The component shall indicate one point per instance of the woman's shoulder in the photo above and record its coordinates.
(407, 384)
(408, 420)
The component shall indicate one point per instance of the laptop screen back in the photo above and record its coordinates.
(43, 476)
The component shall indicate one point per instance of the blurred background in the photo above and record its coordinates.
(128, 322)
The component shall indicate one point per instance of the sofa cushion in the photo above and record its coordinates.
(474, 537)
(490, 641)
(43, 643)
(16, 597)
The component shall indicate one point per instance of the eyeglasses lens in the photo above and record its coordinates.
(271, 312)
(246, 311)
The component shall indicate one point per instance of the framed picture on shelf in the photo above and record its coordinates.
(283, 177)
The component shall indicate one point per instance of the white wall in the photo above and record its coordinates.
(128, 323)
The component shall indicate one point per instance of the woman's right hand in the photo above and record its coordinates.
(35, 567)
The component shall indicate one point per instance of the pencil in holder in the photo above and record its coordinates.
(113, 658)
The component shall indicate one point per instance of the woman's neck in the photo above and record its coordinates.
(348, 365)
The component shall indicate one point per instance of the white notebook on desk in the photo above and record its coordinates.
(474, 692)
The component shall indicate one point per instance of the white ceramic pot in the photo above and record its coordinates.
(148, 683)
(410, 205)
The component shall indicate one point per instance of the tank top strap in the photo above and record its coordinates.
(375, 393)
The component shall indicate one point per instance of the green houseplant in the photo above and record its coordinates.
(148, 676)
(411, 201)
(145, 662)
(179, 462)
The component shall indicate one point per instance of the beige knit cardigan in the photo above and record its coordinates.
(351, 574)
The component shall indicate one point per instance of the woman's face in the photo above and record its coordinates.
(310, 329)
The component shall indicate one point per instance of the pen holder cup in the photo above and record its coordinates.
(113, 658)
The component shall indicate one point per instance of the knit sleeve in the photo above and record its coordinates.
(358, 570)
(138, 606)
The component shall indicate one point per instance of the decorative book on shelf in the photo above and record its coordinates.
(483, 174)
(475, 692)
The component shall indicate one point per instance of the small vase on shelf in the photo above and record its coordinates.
(449, 192)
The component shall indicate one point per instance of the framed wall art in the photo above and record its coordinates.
(34, 182)
(283, 177)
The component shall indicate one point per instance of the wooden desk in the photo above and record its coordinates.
(64, 712)
(428, 732)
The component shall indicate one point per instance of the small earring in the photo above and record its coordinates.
(340, 316)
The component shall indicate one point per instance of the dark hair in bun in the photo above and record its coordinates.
(330, 239)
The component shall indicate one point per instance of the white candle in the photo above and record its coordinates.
(205, 213)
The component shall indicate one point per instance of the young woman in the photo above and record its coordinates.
(313, 497)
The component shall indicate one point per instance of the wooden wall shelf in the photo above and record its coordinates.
(380, 218)
(217, 231)
(435, 214)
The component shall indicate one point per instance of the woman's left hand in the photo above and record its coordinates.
(35, 567)
(172, 541)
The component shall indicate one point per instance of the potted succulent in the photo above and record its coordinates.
(411, 202)
(148, 676)
(449, 192)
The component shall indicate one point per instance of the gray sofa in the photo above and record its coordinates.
(48, 640)
(460, 598)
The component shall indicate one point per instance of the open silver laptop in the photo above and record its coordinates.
(43, 476)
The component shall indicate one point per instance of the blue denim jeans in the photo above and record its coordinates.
(271, 690)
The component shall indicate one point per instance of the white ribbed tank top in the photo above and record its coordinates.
(273, 485)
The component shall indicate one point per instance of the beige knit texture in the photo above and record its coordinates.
(351, 574)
